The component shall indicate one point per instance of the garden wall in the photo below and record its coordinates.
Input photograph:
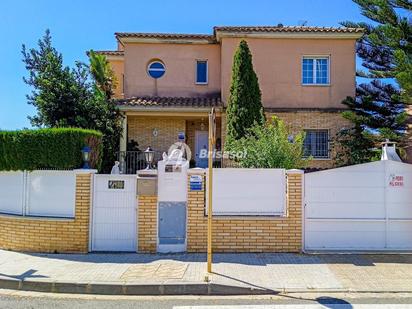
(51, 234)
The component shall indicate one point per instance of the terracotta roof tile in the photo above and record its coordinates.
(165, 36)
(110, 52)
(287, 29)
(195, 102)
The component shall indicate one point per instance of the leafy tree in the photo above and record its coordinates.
(59, 93)
(79, 97)
(269, 146)
(378, 110)
(244, 104)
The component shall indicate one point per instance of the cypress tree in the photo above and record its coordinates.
(244, 107)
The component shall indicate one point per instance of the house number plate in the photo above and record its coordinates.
(116, 184)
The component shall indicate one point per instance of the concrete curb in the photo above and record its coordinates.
(111, 288)
(188, 288)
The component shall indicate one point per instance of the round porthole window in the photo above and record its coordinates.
(156, 69)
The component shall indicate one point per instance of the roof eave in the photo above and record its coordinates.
(288, 35)
(128, 108)
(125, 40)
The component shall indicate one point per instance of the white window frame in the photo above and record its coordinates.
(314, 58)
(207, 72)
(329, 148)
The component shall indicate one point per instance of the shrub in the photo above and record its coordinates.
(56, 148)
(269, 146)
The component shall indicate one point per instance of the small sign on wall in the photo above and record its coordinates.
(396, 181)
(116, 184)
(196, 182)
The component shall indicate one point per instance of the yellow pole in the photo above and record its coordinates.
(209, 195)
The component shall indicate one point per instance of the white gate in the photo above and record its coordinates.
(361, 207)
(114, 213)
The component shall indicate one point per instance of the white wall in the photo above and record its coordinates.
(38, 193)
(12, 192)
(51, 193)
(253, 192)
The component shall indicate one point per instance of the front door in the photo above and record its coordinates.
(201, 142)
(114, 213)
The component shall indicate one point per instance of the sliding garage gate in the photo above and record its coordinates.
(361, 207)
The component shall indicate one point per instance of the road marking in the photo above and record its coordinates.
(311, 306)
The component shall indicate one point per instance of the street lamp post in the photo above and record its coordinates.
(212, 140)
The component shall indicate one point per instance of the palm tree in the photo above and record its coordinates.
(102, 74)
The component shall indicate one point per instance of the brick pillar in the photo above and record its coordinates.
(147, 223)
(196, 221)
(82, 214)
(294, 197)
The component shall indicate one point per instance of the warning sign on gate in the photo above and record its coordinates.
(396, 180)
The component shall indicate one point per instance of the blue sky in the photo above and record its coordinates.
(79, 25)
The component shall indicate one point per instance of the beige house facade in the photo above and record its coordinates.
(168, 83)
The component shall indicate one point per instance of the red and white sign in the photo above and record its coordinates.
(396, 181)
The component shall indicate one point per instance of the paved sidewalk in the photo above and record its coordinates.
(185, 273)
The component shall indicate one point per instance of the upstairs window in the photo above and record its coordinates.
(315, 71)
(156, 69)
(201, 72)
(316, 144)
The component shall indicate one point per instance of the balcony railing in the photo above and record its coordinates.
(132, 161)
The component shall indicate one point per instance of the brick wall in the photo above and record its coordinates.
(141, 130)
(147, 223)
(248, 234)
(300, 120)
(51, 235)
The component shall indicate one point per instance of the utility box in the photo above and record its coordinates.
(146, 185)
(172, 202)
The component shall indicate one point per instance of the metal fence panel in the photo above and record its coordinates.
(249, 192)
(12, 192)
(51, 193)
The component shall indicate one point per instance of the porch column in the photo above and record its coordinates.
(123, 138)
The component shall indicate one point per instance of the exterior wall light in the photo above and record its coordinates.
(149, 157)
(86, 156)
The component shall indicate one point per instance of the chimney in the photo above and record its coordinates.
(389, 151)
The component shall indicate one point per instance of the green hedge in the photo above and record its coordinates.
(56, 148)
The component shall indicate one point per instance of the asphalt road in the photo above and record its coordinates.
(18, 299)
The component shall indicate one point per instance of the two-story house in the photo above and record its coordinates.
(169, 82)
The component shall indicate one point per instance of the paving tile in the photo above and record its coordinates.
(265, 271)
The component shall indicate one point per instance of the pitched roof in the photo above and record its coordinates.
(213, 38)
(173, 36)
(177, 102)
(287, 29)
(110, 52)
